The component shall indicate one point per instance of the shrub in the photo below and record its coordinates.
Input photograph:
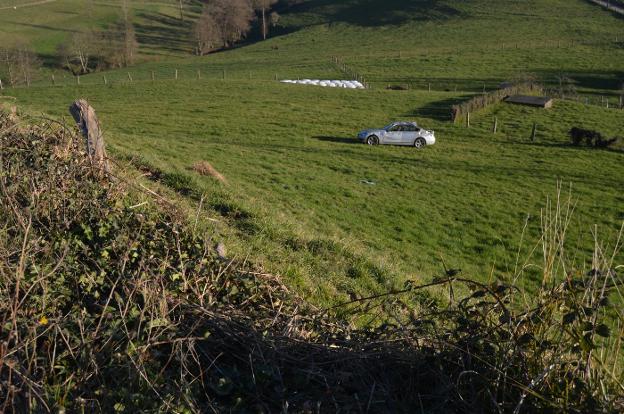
(590, 138)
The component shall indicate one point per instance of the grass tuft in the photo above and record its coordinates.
(204, 168)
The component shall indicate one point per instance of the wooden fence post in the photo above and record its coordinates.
(198, 73)
(105, 80)
(534, 131)
(495, 128)
(78, 79)
(467, 119)
(87, 121)
(429, 86)
(53, 81)
(130, 77)
(1, 86)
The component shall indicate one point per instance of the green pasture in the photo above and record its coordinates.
(304, 199)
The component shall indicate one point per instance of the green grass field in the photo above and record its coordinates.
(158, 28)
(298, 198)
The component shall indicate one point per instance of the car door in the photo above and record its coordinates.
(394, 135)
(410, 133)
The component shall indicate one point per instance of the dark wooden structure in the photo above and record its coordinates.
(538, 101)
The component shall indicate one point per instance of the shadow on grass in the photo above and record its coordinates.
(618, 148)
(371, 13)
(164, 32)
(438, 110)
(342, 140)
(594, 79)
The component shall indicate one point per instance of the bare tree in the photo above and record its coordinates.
(233, 18)
(206, 34)
(263, 6)
(7, 56)
(78, 53)
(20, 63)
(131, 45)
(27, 63)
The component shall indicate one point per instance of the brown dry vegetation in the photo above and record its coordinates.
(206, 169)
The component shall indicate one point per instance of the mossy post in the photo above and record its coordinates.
(534, 131)
(495, 127)
(176, 74)
(467, 119)
(89, 126)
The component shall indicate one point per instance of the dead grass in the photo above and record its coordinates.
(206, 169)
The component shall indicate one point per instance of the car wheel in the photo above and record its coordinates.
(420, 142)
(372, 140)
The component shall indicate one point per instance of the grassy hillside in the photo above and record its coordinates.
(289, 156)
(450, 45)
(47, 24)
(464, 43)
(299, 197)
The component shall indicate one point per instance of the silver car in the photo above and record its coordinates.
(398, 133)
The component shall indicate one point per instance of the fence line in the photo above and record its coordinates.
(475, 87)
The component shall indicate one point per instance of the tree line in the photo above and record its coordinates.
(222, 23)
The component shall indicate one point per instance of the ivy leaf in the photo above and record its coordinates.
(568, 318)
(603, 330)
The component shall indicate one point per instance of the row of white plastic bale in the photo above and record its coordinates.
(348, 84)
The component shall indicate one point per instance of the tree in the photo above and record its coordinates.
(233, 18)
(20, 63)
(7, 57)
(206, 34)
(263, 6)
(79, 52)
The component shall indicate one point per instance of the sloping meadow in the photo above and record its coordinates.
(111, 301)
